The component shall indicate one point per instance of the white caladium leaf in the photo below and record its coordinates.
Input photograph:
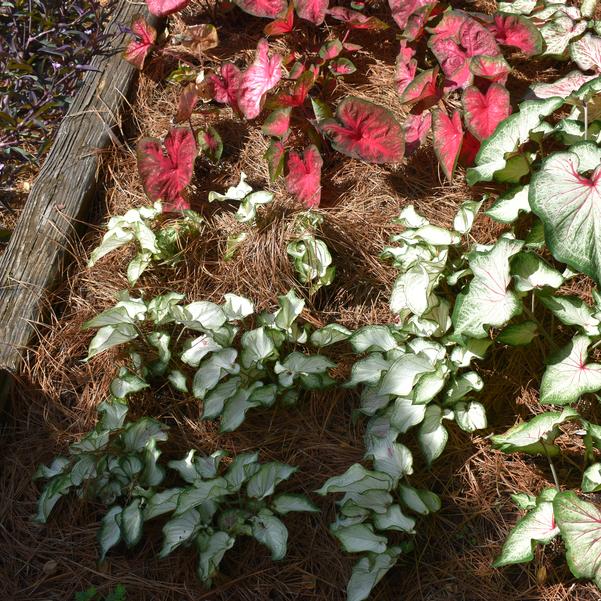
(368, 370)
(270, 531)
(394, 519)
(196, 349)
(263, 482)
(573, 311)
(562, 87)
(519, 334)
(213, 369)
(591, 478)
(330, 334)
(368, 571)
(537, 526)
(579, 523)
(202, 491)
(131, 521)
(211, 549)
(488, 302)
(200, 315)
(558, 33)
(285, 503)
(257, 346)
(179, 530)
(138, 434)
(535, 436)
(419, 500)
(356, 479)
(568, 376)
(586, 52)
(359, 538)
(530, 272)
(462, 385)
(471, 348)
(110, 336)
(373, 338)
(509, 135)
(298, 364)
(432, 435)
(403, 414)
(464, 220)
(241, 469)
(509, 205)
(403, 374)
(237, 307)
(126, 383)
(161, 503)
(110, 531)
(569, 205)
(470, 416)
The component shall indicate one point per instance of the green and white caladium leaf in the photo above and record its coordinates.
(394, 519)
(568, 202)
(591, 478)
(568, 376)
(237, 307)
(373, 338)
(109, 336)
(126, 383)
(356, 479)
(432, 435)
(368, 370)
(509, 135)
(110, 531)
(285, 503)
(131, 521)
(263, 482)
(403, 414)
(270, 531)
(579, 523)
(368, 571)
(404, 373)
(530, 272)
(537, 526)
(519, 334)
(211, 549)
(257, 346)
(180, 530)
(359, 538)
(198, 348)
(202, 491)
(573, 311)
(508, 206)
(419, 500)
(330, 334)
(241, 469)
(161, 503)
(211, 370)
(535, 436)
(470, 416)
(488, 302)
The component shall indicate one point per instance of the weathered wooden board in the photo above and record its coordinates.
(61, 196)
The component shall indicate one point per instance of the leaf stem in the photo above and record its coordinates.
(551, 465)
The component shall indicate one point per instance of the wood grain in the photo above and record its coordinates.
(61, 196)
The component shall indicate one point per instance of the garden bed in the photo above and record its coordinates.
(56, 400)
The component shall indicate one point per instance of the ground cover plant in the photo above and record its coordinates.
(212, 320)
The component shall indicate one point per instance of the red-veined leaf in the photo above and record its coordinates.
(402, 10)
(277, 123)
(312, 10)
(187, 102)
(211, 144)
(423, 89)
(469, 149)
(162, 8)
(447, 140)
(406, 67)
(263, 8)
(165, 170)
(562, 87)
(518, 32)
(484, 111)
(495, 68)
(416, 130)
(342, 66)
(477, 40)
(296, 70)
(365, 131)
(304, 176)
(258, 79)
(417, 21)
(275, 155)
(586, 53)
(298, 93)
(453, 61)
(330, 49)
(281, 26)
(355, 19)
(226, 86)
(449, 26)
(138, 48)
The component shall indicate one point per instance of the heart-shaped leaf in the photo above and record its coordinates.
(138, 49)
(304, 176)
(342, 66)
(312, 10)
(277, 123)
(166, 170)
(211, 144)
(406, 67)
(330, 49)
(365, 131)
(494, 68)
(417, 128)
(403, 10)
(275, 155)
(258, 79)
(162, 8)
(568, 202)
(423, 89)
(263, 8)
(281, 26)
(484, 111)
(563, 87)
(447, 139)
(586, 53)
(518, 32)
(226, 86)
(355, 19)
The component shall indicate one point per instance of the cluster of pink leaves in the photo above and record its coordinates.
(470, 61)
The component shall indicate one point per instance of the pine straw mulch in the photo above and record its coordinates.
(56, 400)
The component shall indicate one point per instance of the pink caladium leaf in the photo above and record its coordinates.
(518, 32)
(447, 140)
(406, 67)
(423, 89)
(263, 8)
(165, 170)
(586, 53)
(469, 150)
(453, 61)
(493, 68)
(258, 79)
(449, 26)
(296, 70)
(484, 111)
(330, 49)
(416, 24)
(281, 26)
(351, 47)
(355, 19)
(402, 10)
(477, 40)
(342, 66)
(145, 37)
(298, 93)
(365, 131)
(304, 176)
(277, 123)
(226, 86)
(275, 157)
(417, 128)
(211, 144)
(162, 8)
(312, 10)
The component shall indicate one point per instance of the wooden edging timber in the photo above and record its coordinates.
(61, 196)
